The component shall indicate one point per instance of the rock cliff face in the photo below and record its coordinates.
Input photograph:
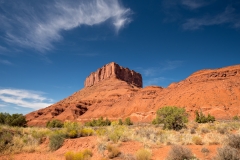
(114, 70)
(115, 93)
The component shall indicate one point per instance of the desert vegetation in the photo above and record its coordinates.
(171, 130)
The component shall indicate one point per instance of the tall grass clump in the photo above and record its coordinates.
(82, 155)
(143, 154)
(56, 140)
(113, 151)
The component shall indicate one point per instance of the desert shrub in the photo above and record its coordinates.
(178, 152)
(72, 134)
(87, 132)
(55, 123)
(39, 135)
(116, 133)
(101, 148)
(56, 140)
(83, 155)
(204, 130)
(205, 150)
(143, 154)
(232, 149)
(192, 131)
(120, 122)
(128, 121)
(222, 130)
(113, 151)
(227, 153)
(5, 140)
(236, 118)
(172, 117)
(201, 118)
(72, 126)
(13, 120)
(98, 122)
(101, 131)
(197, 140)
(234, 141)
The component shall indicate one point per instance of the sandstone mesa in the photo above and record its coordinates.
(116, 92)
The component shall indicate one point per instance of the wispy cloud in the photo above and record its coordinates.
(5, 62)
(3, 49)
(227, 17)
(217, 14)
(162, 67)
(24, 98)
(154, 81)
(194, 4)
(150, 71)
(3, 105)
(39, 24)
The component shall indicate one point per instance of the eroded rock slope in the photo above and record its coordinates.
(115, 92)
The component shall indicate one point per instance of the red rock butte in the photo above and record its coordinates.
(115, 92)
(114, 70)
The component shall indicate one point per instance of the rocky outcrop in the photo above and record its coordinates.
(115, 94)
(114, 70)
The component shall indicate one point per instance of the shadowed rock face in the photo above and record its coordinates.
(114, 70)
(115, 93)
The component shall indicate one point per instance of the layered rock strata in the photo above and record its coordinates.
(114, 70)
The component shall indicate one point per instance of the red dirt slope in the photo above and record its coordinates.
(213, 91)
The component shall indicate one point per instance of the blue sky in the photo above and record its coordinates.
(48, 48)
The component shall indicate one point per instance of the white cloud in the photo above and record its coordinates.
(24, 98)
(38, 25)
(227, 17)
(6, 62)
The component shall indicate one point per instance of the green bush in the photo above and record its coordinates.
(200, 118)
(143, 154)
(54, 124)
(98, 122)
(13, 120)
(120, 122)
(56, 140)
(128, 121)
(172, 117)
(236, 118)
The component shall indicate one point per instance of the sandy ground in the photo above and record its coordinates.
(130, 147)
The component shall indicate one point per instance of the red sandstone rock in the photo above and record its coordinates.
(114, 70)
(213, 91)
